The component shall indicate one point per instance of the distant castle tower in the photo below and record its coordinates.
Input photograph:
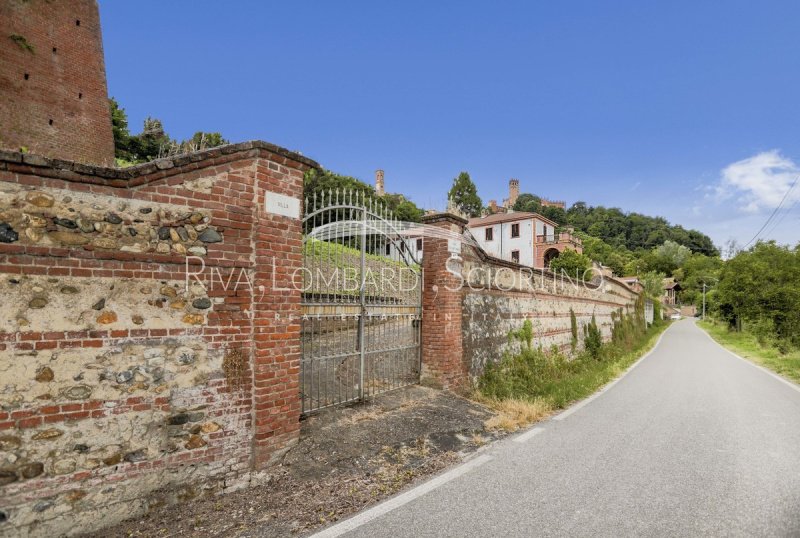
(379, 185)
(53, 81)
(513, 192)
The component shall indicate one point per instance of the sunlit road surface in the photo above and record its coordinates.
(693, 441)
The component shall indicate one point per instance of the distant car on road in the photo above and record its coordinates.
(675, 316)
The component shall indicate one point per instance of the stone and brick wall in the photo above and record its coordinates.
(471, 301)
(52, 81)
(149, 333)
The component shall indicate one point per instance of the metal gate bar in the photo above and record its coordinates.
(361, 302)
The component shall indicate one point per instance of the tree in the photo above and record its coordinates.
(153, 142)
(324, 181)
(760, 287)
(528, 202)
(119, 127)
(653, 283)
(572, 263)
(464, 195)
(669, 256)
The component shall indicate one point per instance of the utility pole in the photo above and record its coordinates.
(704, 301)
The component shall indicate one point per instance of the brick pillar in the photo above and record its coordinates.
(442, 356)
(276, 311)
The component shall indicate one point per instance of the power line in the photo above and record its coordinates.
(773, 213)
(783, 216)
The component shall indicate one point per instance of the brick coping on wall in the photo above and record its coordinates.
(142, 174)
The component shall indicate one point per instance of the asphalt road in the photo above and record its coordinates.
(691, 442)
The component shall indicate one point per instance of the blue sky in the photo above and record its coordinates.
(684, 109)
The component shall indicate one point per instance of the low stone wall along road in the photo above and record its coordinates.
(693, 441)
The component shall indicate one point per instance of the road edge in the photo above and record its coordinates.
(788, 382)
(577, 406)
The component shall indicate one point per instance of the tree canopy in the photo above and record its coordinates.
(153, 142)
(464, 195)
(317, 181)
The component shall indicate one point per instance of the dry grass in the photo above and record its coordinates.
(513, 414)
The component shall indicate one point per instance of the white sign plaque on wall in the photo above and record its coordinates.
(280, 204)
(454, 246)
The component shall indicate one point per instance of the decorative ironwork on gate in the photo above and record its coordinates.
(362, 308)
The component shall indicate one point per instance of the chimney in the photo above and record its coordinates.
(492, 206)
(513, 192)
(379, 182)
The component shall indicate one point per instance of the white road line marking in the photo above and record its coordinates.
(396, 502)
(770, 373)
(527, 435)
(579, 405)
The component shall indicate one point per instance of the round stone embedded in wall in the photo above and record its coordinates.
(106, 243)
(178, 304)
(78, 392)
(7, 477)
(197, 251)
(113, 218)
(163, 233)
(194, 319)
(137, 319)
(45, 435)
(99, 305)
(124, 377)
(69, 290)
(65, 223)
(210, 235)
(9, 442)
(44, 374)
(36, 221)
(31, 470)
(7, 233)
(69, 238)
(162, 248)
(40, 199)
(168, 291)
(64, 467)
(195, 441)
(85, 225)
(37, 303)
(210, 427)
(202, 303)
(107, 317)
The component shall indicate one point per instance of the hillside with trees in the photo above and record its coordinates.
(631, 231)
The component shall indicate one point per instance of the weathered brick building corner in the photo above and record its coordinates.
(53, 81)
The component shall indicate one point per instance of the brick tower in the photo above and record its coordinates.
(53, 81)
(379, 185)
(513, 192)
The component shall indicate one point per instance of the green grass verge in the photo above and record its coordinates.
(524, 390)
(591, 374)
(746, 345)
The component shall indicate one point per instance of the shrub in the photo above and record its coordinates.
(593, 342)
(573, 322)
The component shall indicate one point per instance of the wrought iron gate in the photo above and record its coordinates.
(361, 301)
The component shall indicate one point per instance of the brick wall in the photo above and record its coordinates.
(149, 331)
(52, 81)
(467, 318)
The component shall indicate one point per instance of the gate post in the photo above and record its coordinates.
(278, 242)
(442, 355)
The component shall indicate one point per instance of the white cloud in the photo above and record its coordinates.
(759, 182)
